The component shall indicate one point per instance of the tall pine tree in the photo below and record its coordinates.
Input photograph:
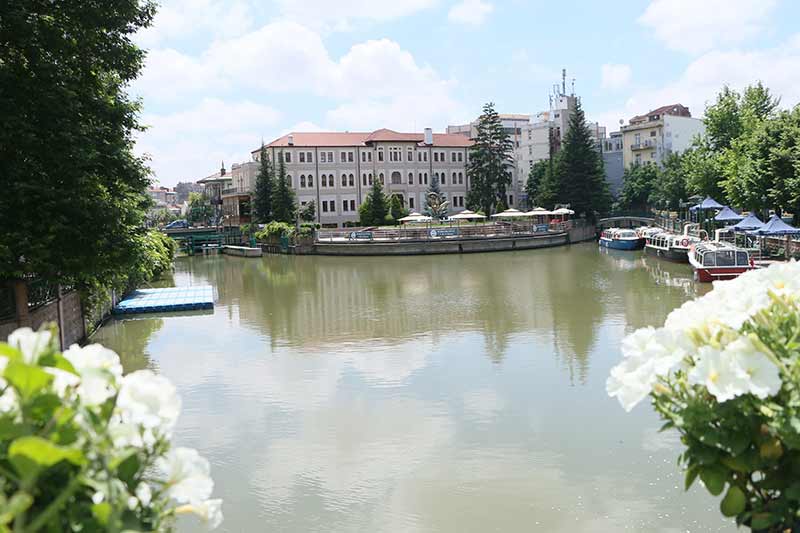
(378, 206)
(283, 201)
(578, 172)
(265, 185)
(490, 160)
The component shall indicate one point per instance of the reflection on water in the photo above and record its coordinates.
(445, 393)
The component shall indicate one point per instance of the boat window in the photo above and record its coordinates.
(708, 259)
(742, 259)
(726, 258)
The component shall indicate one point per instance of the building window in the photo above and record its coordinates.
(324, 206)
(344, 205)
(309, 157)
(425, 175)
(435, 157)
(638, 158)
(652, 155)
(370, 179)
(452, 157)
(344, 180)
(652, 133)
(455, 178)
(510, 200)
(411, 178)
(397, 178)
(460, 157)
(330, 157)
(395, 155)
(380, 155)
(351, 181)
(287, 157)
(410, 155)
(343, 157)
(302, 180)
(352, 205)
(302, 157)
(323, 157)
(411, 202)
(383, 181)
(444, 178)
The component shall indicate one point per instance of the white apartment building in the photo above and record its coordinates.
(337, 169)
(652, 136)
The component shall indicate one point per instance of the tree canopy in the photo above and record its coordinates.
(436, 205)
(73, 201)
(283, 200)
(533, 185)
(265, 188)
(375, 208)
(490, 159)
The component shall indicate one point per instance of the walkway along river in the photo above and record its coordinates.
(455, 393)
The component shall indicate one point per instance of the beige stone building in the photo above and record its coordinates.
(337, 169)
(649, 138)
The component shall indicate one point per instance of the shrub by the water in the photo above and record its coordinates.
(84, 448)
(724, 371)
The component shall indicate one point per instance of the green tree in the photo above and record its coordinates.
(435, 204)
(579, 171)
(375, 209)
(308, 212)
(283, 201)
(396, 208)
(670, 187)
(638, 183)
(548, 193)
(702, 168)
(723, 119)
(199, 210)
(73, 201)
(489, 161)
(533, 185)
(265, 187)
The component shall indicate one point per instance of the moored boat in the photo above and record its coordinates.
(671, 246)
(715, 260)
(621, 239)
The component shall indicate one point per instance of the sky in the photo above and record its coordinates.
(222, 75)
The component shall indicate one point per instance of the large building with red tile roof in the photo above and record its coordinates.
(337, 169)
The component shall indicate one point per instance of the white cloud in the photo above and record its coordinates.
(615, 76)
(697, 26)
(344, 15)
(778, 68)
(189, 144)
(178, 19)
(470, 12)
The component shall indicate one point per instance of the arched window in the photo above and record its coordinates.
(364, 180)
(426, 178)
(397, 178)
(444, 178)
(370, 179)
(324, 180)
(352, 181)
(383, 181)
(310, 180)
(411, 178)
(302, 180)
(344, 180)
(461, 178)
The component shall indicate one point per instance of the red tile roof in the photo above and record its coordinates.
(672, 109)
(337, 139)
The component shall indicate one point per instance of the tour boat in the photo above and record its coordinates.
(621, 239)
(670, 246)
(719, 260)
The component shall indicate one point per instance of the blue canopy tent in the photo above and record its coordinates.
(708, 203)
(775, 226)
(727, 215)
(750, 223)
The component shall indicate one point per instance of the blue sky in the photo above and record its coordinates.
(223, 74)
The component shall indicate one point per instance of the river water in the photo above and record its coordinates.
(461, 393)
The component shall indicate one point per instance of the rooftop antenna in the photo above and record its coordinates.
(563, 81)
(573, 86)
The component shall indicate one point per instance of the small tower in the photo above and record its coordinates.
(222, 169)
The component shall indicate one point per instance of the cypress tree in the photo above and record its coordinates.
(490, 159)
(378, 204)
(396, 208)
(578, 172)
(265, 185)
(283, 201)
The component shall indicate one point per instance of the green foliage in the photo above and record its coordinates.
(536, 178)
(73, 201)
(396, 208)
(80, 443)
(200, 210)
(375, 208)
(548, 193)
(702, 170)
(670, 187)
(578, 174)
(274, 231)
(638, 184)
(283, 200)
(490, 159)
(265, 188)
(435, 204)
(308, 212)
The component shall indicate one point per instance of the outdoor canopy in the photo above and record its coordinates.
(510, 213)
(563, 211)
(749, 223)
(466, 214)
(775, 226)
(415, 217)
(727, 214)
(708, 203)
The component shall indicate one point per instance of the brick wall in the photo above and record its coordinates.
(71, 322)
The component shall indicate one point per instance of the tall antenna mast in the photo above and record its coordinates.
(573, 86)
(563, 81)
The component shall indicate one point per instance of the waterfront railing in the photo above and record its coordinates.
(438, 232)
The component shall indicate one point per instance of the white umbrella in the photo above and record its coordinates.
(538, 212)
(509, 213)
(466, 214)
(563, 211)
(415, 217)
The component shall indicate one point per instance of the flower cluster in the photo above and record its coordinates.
(86, 445)
(724, 370)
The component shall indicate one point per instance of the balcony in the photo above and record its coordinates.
(643, 145)
(235, 191)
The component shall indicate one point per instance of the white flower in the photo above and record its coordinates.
(148, 400)
(210, 512)
(761, 375)
(92, 358)
(30, 343)
(144, 494)
(716, 371)
(8, 400)
(98, 497)
(187, 475)
(62, 380)
(630, 382)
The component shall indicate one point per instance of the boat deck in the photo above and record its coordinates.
(169, 299)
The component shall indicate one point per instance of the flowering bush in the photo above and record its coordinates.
(84, 448)
(725, 372)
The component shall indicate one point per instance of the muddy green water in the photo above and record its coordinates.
(423, 394)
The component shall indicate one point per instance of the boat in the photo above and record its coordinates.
(714, 260)
(671, 246)
(621, 239)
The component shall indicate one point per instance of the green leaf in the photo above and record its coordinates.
(56, 360)
(102, 511)
(9, 429)
(30, 455)
(19, 503)
(793, 492)
(691, 475)
(26, 379)
(734, 502)
(6, 350)
(737, 464)
(763, 520)
(714, 479)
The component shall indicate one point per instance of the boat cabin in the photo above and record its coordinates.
(716, 254)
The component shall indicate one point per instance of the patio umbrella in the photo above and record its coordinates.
(727, 215)
(561, 211)
(708, 203)
(538, 212)
(775, 226)
(749, 223)
(466, 214)
(509, 213)
(415, 217)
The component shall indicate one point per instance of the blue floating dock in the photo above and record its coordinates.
(169, 299)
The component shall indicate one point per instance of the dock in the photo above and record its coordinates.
(168, 299)
(242, 251)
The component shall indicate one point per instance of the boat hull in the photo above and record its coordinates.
(676, 255)
(621, 244)
(707, 275)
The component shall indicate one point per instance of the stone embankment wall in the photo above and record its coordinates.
(444, 246)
